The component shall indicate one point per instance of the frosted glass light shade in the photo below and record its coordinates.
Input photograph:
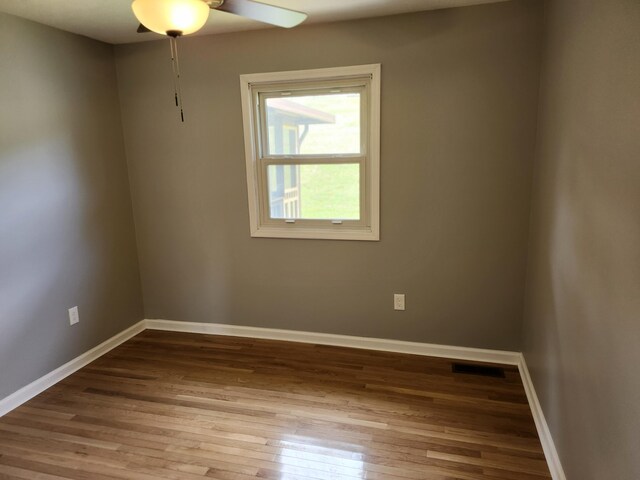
(162, 16)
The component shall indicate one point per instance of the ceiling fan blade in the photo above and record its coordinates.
(142, 29)
(278, 16)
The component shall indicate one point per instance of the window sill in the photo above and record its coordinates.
(363, 234)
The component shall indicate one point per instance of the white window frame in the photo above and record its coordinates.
(257, 161)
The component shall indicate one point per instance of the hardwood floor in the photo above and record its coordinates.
(186, 406)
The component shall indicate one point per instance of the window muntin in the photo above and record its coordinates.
(312, 153)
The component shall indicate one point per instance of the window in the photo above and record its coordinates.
(312, 142)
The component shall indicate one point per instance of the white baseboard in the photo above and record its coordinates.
(459, 353)
(399, 346)
(40, 385)
(549, 447)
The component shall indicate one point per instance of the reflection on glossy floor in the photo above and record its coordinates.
(187, 406)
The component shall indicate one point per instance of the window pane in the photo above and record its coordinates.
(315, 192)
(314, 124)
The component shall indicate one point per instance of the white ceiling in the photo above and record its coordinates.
(112, 21)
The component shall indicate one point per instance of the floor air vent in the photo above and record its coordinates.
(482, 370)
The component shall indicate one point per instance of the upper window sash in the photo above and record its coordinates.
(288, 93)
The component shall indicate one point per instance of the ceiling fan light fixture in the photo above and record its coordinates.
(163, 16)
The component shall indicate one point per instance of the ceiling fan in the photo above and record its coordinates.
(175, 18)
(182, 17)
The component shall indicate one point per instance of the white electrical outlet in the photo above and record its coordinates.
(74, 316)
(398, 301)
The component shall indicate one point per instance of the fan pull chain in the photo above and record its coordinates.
(175, 65)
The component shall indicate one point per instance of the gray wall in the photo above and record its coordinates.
(66, 227)
(582, 320)
(459, 109)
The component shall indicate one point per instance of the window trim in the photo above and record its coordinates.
(368, 228)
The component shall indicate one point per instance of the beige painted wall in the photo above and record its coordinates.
(582, 321)
(459, 110)
(66, 227)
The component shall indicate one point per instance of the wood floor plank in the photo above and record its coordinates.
(182, 406)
